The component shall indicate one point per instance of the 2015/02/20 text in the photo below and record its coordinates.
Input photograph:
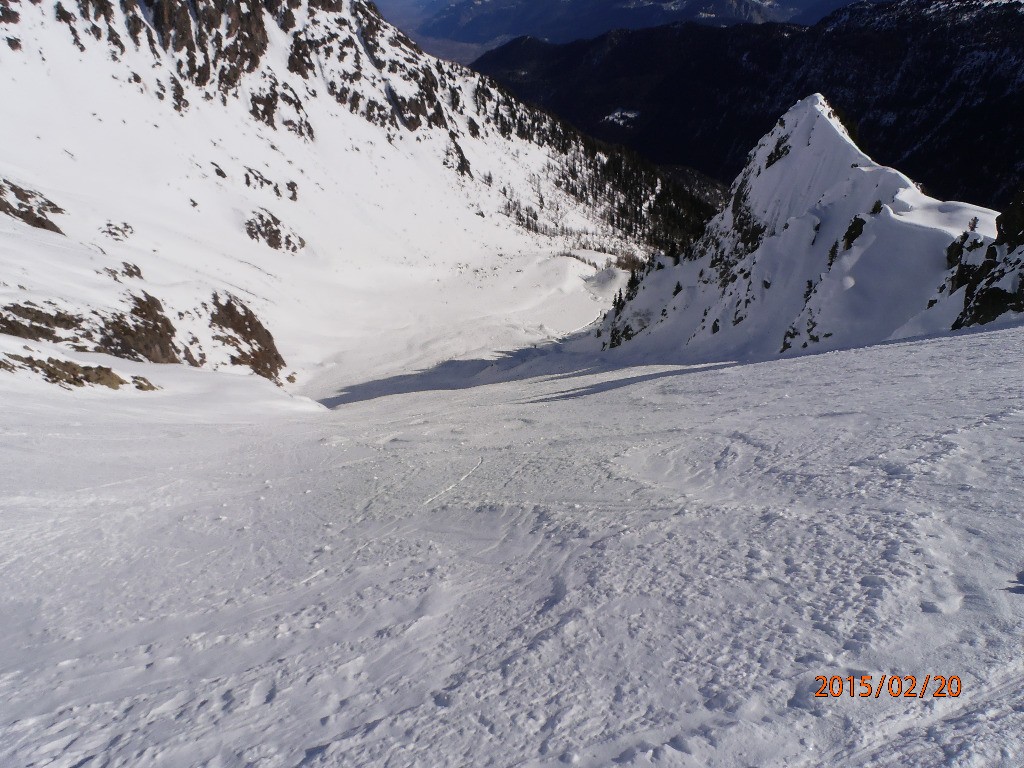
(896, 686)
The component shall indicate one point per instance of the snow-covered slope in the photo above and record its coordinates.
(281, 185)
(547, 560)
(820, 248)
(638, 567)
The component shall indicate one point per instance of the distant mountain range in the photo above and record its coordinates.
(936, 89)
(488, 23)
(480, 22)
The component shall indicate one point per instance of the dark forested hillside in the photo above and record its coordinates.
(936, 89)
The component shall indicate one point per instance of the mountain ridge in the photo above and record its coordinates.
(497, 20)
(821, 248)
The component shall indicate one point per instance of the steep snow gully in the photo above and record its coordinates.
(346, 531)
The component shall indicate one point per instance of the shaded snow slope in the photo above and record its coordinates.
(820, 248)
(283, 186)
(645, 566)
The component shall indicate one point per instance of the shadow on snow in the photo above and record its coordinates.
(556, 360)
(552, 362)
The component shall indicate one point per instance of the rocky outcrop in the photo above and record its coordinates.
(28, 321)
(28, 206)
(238, 327)
(1010, 225)
(143, 333)
(992, 277)
(68, 374)
(265, 227)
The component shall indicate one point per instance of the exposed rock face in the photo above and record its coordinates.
(28, 206)
(265, 227)
(993, 284)
(144, 333)
(70, 374)
(7, 14)
(27, 321)
(237, 326)
(1010, 225)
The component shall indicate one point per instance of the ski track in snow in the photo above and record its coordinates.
(438, 495)
(640, 566)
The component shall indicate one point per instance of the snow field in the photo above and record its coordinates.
(532, 558)
(543, 562)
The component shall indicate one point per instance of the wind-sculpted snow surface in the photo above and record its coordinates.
(303, 163)
(645, 566)
(819, 248)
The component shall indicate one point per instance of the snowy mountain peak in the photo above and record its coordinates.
(806, 164)
(820, 248)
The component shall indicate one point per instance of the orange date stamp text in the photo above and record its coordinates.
(894, 686)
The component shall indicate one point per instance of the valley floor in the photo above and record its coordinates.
(538, 565)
